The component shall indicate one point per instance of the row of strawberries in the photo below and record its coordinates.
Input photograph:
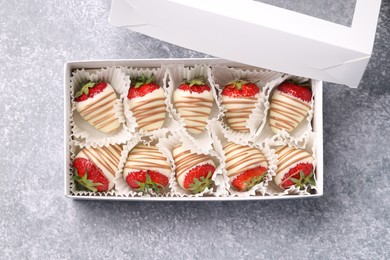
(193, 100)
(148, 170)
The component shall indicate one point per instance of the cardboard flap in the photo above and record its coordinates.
(122, 13)
(297, 44)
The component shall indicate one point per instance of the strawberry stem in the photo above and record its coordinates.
(254, 181)
(238, 83)
(199, 81)
(142, 80)
(84, 182)
(199, 185)
(303, 180)
(149, 185)
(85, 89)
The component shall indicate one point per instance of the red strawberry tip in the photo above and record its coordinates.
(199, 185)
(84, 182)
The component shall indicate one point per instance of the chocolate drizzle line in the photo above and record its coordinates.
(100, 113)
(284, 114)
(106, 158)
(194, 106)
(144, 157)
(288, 153)
(186, 160)
(145, 111)
(245, 158)
(237, 117)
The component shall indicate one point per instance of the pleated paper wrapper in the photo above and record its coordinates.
(310, 147)
(166, 145)
(176, 76)
(220, 140)
(83, 132)
(299, 135)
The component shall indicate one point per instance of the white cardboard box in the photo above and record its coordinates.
(259, 34)
(70, 66)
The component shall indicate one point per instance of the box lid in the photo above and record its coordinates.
(265, 36)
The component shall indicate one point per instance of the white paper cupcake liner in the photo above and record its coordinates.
(223, 75)
(299, 134)
(83, 130)
(220, 140)
(74, 150)
(176, 75)
(166, 146)
(273, 189)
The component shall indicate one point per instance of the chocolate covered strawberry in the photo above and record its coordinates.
(294, 168)
(95, 103)
(290, 104)
(193, 171)
(193, 100)
(95, 168)
(146, 169)
(146, 100)
(246, 166)
(239, 98)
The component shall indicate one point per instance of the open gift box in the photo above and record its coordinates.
(298, 45)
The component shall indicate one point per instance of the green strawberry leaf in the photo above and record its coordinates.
(238, 83)
(83, 182)
(301, 175)
(294, 180)
(303, 180)
(149, 184)
(254, 181)
(197, 81)
(142, 80)
(138, 84)
(85, 89)
(150, 80)
(199, 185)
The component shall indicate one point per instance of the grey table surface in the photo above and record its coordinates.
(37, 222)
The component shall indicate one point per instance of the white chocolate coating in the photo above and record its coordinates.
(194, 108)
(149, 110)
(289, 157)
(239, 158)
(99, 110)
(286, 111)
(145, 158)
(185, 161)
(105, 158)
(238, 110)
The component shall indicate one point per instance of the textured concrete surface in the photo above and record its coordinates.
(37, 222)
